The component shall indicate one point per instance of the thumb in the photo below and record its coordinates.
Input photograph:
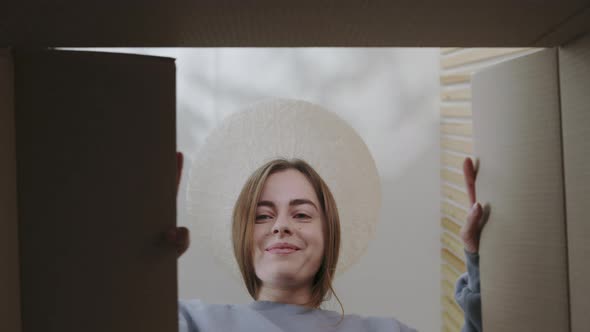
(470, 231)
(474, 217)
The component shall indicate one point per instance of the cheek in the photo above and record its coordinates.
(316, 254)
(258, 241)
(258, 233)
(315, 238)
(258, 237)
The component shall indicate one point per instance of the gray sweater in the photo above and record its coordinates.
(467, 294)
(265, 316)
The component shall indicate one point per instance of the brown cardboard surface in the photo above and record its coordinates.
(574, 66)
(96, 189)
(208, 23)
(9, 264)
(517, 136)
(575, 26)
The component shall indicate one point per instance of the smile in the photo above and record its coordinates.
(281, 251)
(282, 248)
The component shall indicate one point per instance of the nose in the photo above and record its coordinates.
(281, 227)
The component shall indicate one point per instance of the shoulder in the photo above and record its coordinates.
(195, 307)
(354, 322)
(190, 307)
(389, 324)
(196, 315)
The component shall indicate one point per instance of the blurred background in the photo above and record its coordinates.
(412, 107)
(390, 96)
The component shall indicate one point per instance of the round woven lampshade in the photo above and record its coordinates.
(282, 128)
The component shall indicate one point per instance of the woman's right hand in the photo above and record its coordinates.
(179, 237)
(471, 230)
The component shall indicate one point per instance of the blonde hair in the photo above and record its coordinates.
(245, 213)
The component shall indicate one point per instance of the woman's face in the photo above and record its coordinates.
(288, 231)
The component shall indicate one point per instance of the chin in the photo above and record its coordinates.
(278, 275)
(282, 271)
(281, 274)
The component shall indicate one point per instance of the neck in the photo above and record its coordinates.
(288, 295)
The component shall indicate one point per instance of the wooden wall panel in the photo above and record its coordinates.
(475, 55)
(457, 67)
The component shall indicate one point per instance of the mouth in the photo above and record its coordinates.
(282, 249)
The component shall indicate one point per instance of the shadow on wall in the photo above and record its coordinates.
(382, 93)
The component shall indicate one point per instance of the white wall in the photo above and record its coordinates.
(390, 96)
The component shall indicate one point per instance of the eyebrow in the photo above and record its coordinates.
(294, 202)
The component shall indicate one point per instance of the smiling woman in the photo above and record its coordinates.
(304, 195)
(289, 219)
(299, 192)
(286, 237)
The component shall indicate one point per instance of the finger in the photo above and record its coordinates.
(473, 219)
(183, 240)
(485, 215)
(470, 232)
(469, 174)
(170, 236)
(179, 162)
(182, 234)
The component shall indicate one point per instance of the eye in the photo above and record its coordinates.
(302, 216)
(262, 218)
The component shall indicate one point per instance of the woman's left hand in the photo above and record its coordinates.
(471, 230)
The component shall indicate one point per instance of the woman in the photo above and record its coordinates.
(286, 236)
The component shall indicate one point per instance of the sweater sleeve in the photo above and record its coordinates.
(467, 294)
(186, 315)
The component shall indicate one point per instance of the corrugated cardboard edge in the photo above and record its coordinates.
(571, 28)
(574, 69)
(9, 255)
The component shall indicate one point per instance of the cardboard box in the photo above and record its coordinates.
(95, 177)
(216, 23)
